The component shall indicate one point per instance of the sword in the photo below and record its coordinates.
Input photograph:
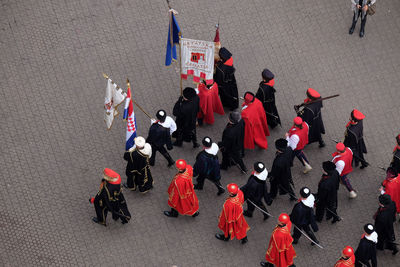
(362, 160)
(318, 245)
(269, 214)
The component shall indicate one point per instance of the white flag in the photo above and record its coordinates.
(114, 97)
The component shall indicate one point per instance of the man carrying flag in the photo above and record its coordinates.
(129, 116)
(173, 38)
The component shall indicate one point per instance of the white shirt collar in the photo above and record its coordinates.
(213, 150)
(309, 202)
(262, 175)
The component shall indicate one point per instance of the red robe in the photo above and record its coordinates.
(392, 188)
(346, 263)
(231, 220)
(280, 250)
(255, 122)
(209, 103)
(181, 193)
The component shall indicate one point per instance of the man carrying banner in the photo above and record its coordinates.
(159, 135)
(110, 198)
(138, 168)
(225, 78)
(255, 122)
(185, 111)
(266, 94)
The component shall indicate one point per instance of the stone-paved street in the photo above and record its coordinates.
(54, 143)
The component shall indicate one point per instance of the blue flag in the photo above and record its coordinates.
(173, 39)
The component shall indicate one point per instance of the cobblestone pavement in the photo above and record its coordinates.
(54, 143)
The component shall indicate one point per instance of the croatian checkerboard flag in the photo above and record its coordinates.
(129, 116)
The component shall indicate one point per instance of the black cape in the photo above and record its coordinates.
(225, 78)
(302, 216)
(326, 196)
(354, 139)
(185, 112)
(207, 165)
(233, 138)
(256, 190)
(365, 252)
(395, 164)
(138, 166)
(281, 173)
(312, 115)
(159, 136)
(266, 94)
(384, 219)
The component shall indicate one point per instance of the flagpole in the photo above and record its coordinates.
(180, 62)
(128, 84)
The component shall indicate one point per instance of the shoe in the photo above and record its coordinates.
(221, 237)
(170, 214)
(336, 219)
(266, 217)
(295, 241)
(321, 144)
(94, 219)
(351, 30)
(363, 166)
(245, 240)
(352, 194)
(220, 191)
(247, 214)
(292, 198)
(394, 252)
(196, 214)
(307, 168)
(197, 187)
(127, 187)
(196, 145)
(176, 143)
(361, 34)
(263, 264)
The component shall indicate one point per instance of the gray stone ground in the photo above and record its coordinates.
(54, 144)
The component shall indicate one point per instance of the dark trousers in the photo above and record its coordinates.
(101, 211)
(283, 189)
(346, 182)
(300, 155)
(307, 230)
(384, 243)
(162, 151)
(360, 158)
(186, 135)
(331, 210)
(201, 179)
(356, 15)
(232, 158)
(251, 207)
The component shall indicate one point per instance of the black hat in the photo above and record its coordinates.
(234, 117)
(328, 166)
(369, 228)
(281, 144)
(259, 166)
(224, 54)
(305, 192)
(161, 115)
(385, 199)
(267, 74)
(207, 142)
(189, 93)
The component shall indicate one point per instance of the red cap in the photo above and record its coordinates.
(348, 251)
(284, 218)
(313, 93)
(91, 200)
(298, 121)
(340, 147)
(216, 38)
(357, 114)
(233, 188)
(111, 176)
(180, 164)
(248, 97)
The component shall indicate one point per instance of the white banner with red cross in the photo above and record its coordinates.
(197, 60)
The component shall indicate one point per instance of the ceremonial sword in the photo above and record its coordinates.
(318, 245)
(270, 215)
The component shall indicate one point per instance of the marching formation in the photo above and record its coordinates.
(247, 127)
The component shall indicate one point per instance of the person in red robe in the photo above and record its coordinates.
(391, 186)
(231, 220)
(255, 122)
(209, 103)
(280, 252)
(182, 198)
(348, 259)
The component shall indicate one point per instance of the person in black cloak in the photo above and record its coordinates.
(353, 138)
(281, 174)
(225, 78)
(256, 189)
(185, 111)
(366, 251)
(207, 166)
(312, 115)
(326, 196)
(384, 217)
(266, 94)
(232, 146)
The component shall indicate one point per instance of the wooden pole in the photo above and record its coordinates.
(134, 102)
(180, 62)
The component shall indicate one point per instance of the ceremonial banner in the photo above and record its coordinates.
(173, 38)
(129, 116)
(112, 100)
(197, 60)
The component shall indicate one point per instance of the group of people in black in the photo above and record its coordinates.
(207, 166)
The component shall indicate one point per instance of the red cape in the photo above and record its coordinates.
(280, 250)
(181, 193)
(209, 103)
(346, 263)
(231, 220)
(256, 128)
(392, 188)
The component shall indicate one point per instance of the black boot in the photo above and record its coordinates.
(336, 219)
(363, 22)
(353, 25)
(198, 187)
(169, 159)
(196, 214)
(245, 240)
(94, 219)
(173, 213)
(321, 143)
(247, 213)
(221, 190)
(221, 237)
(313, 238)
